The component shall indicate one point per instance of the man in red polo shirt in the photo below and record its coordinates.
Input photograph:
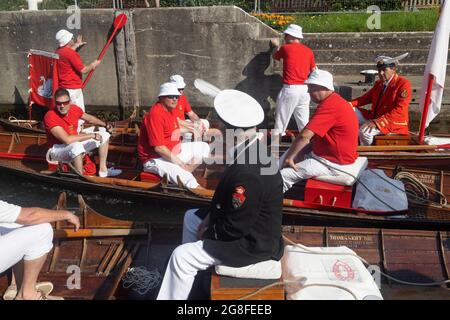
(332, 131)
(390, 98)
(65, 144)
(70, 66)
(159, 147)
(298, 63)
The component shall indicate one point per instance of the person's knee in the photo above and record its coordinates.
(105, 136)
(76, 149)
(42, 241)
(189, 215)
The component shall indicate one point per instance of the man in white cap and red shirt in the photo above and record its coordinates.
(159, 147)
(332, 132)
(242, 226)
(70, 66)
(298, 63)
(390, 97)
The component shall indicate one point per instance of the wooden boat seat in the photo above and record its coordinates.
(229, 288)
(149, 177)
(392, 140)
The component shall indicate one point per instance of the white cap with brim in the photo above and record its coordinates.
(63, 37)
(178, 80)
(238, 109)
(295, 31)
(321, 78)
(168, 89)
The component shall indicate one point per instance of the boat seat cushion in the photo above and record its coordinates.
(269, 269)
(343, 179)
(149, 177)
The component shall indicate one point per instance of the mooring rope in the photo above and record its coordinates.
(142, 279)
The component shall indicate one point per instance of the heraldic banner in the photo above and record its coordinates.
(43, 78)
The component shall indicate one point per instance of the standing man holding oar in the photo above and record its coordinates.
(70, 66)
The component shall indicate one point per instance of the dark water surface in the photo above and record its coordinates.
(26, 193)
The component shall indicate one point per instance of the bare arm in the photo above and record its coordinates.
(275, 46)
(31, 216)
(93, 120)
(66, 138)
(193, 116)
(90, 66)
(302, 140)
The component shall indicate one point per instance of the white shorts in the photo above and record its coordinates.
(67, 152)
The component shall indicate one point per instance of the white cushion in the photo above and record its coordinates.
(269, 269)
(343, 179)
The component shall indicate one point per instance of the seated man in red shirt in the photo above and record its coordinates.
(389, 99)
(159, 147)
(64, 141)
(332, 131)
(198, 127)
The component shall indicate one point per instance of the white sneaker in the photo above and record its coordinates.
(110, 173)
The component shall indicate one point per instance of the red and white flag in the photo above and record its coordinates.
(436, 65)
(43, 77)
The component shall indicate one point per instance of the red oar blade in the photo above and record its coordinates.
(120, 21)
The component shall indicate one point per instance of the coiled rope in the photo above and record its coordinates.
(142, 279)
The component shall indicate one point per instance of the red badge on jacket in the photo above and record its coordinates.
(238, 197)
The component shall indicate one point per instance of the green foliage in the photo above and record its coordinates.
(362, 5)
(423, 20)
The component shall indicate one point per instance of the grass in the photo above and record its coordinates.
(423, 20)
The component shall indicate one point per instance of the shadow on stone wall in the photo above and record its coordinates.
(259, 85)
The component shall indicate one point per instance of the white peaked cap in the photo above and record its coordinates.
(389, 60)
(238, 109)
(168, 89)
(321, 78)
(63, 37)
(178, 80)
(295, 31)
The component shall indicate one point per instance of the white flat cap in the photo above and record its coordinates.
(321, 78)
(295, 31)
(178, 80)
(238, 109)
(168, 89)
(63, 37)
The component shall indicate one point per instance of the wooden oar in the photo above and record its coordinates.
(403, 148)
(119, 22)
(90, 233)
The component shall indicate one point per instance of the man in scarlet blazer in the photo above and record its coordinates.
(390, 98)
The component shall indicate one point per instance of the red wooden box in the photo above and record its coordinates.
(328, 194)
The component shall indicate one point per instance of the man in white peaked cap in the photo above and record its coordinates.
(242, 226)
(159, 147)
(334, 128)
(298, 63)
(70, 66)
(390, 97)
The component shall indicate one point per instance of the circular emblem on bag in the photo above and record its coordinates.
(343, 271)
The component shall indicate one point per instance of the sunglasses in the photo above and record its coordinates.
(62, 103)
(172, 97)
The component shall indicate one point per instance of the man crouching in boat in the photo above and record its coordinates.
(390, 98)
(242, 226)
(160, 149)
(332, 132)
(66, 144)
(26, 237)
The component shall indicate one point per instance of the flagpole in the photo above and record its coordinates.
(423, 120)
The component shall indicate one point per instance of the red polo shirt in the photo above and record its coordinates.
(159, 128)
(69, 123)
(69, 68)
(336, 130)
(298, 62)
(182, 108)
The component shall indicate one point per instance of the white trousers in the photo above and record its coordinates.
(365, 135)
(312, 166)
(24, 242)
(67, 152)
(186, 260)
(76, 96)
(292, 100)
(189, 152)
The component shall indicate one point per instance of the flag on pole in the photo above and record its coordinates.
(436, 65)
(42, 77)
